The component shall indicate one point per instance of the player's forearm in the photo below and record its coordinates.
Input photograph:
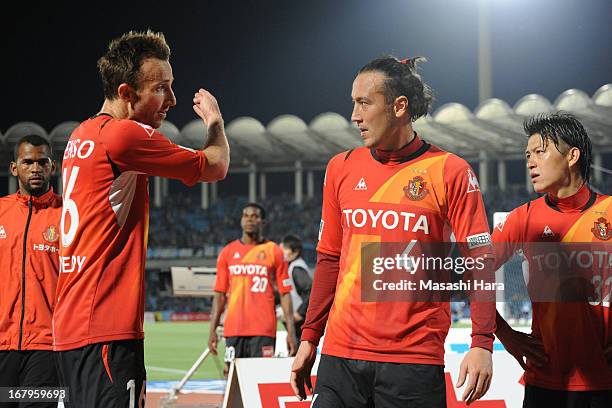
(483, 324)
(287, 306)
(482, 303)
(217, 153)
(217, 309)
(321, 297)
(501, 326)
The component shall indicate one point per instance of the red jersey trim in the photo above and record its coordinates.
(328, 251)
(98, 339)
(383, 358)
(105, 361)
(535, 381)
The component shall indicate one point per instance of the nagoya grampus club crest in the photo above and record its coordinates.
(416, 189)
(602, 230)
(51, 234)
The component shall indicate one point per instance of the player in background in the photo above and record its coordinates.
(29, 265)
(389, 354)
(249, 271)
(569, 351)
(98, 321)
(301, 280)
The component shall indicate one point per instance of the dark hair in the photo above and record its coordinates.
(121, 63)
(402, 78)
(562, 126)
(34, 140)
(262, 210)
(293, 242)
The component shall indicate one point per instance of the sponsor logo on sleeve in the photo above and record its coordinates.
(3, 232)
(478, 240)
(473, 185)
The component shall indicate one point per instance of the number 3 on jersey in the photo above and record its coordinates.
(70, 207)
(260, 283)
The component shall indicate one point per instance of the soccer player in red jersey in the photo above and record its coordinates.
(98, 320)
(397, 188)
(249, 271)
(29, 265)
(569, 351)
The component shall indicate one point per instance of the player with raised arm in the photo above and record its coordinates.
(98, 320)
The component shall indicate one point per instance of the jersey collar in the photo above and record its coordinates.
(42, 201)
(580, 201)
(409, 151)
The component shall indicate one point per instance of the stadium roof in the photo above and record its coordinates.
(493, 128)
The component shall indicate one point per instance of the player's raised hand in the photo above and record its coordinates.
(301, 368)
(205, 106)
(212, 342)
(523, 346)
(478, 365)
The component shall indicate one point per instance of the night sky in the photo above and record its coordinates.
(267, 58)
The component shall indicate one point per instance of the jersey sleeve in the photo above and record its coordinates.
(465, 207)
(222, 279)
(321, 297)
(468, 218)
(330, 230)
(281, 270)
(507, 236)
(133, 146)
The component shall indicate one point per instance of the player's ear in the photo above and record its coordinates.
(127, 93)
(13, 168)
(400, 106)
(573, 156)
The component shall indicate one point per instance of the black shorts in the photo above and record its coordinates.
(536, 397)
(28, 368)
(342, 382)
(104, 375)
(248, 346)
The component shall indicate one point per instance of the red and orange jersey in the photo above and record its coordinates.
(425, 196)
(249, 274)
(574, 334)
(104, 225)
